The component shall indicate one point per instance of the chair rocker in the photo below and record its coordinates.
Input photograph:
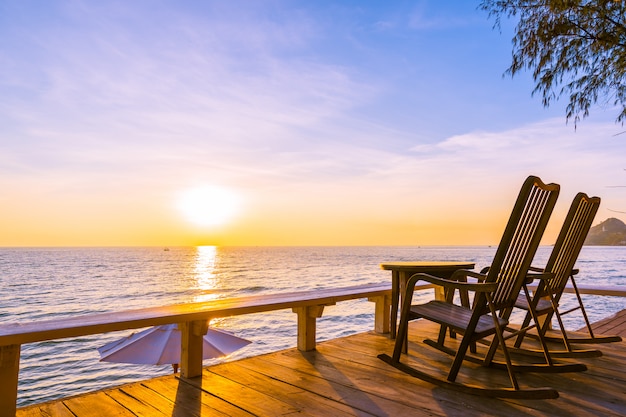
(544, 302)
(494, 298)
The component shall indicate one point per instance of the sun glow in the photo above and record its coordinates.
(209, 205)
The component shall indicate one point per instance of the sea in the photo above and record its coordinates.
(38, 284)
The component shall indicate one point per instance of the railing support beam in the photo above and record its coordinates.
(307, 321)
(382, 313)
(9, 372)
(191, 347)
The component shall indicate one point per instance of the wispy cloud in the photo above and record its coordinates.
(424, 16)
(580, 160)
(180, 88)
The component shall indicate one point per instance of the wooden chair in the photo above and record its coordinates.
(544, 302)
(494, 299)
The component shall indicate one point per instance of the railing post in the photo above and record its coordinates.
(9, 372)
(440, 293)
(307, 320)
(382, 313)
(191, 347)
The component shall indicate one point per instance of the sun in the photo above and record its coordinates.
(209, 205)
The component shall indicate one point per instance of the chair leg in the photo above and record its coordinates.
(542, 339)
(442, 334)
(525, 323)
(582, 308)
(566, 342)
(401, 338)
(493, 347)
(507, 357)
(460, 355)
(500, 339)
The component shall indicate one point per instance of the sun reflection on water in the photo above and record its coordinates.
(204, 272)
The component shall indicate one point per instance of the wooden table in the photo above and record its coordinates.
(402, 271)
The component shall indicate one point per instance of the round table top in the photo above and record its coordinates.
(425, 266)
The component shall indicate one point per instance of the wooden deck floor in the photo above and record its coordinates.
(345, 378)
(612, 325)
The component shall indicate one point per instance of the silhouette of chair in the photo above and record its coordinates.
(495, 294)
(544, 302)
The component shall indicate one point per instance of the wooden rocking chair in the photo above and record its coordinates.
(494, 299)
(545, 299)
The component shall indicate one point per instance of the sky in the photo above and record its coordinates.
(279, 123)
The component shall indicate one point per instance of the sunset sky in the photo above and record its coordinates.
(278, 123)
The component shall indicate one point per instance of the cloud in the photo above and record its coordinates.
(423, 18)
(129, 90)
(585, 159)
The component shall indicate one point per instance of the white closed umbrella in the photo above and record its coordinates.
(160, 345)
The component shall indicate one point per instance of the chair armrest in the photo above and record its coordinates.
(480, 276)
(460, 283)
(455, 284)
(461, 275)
(542, 276)
(536, 269)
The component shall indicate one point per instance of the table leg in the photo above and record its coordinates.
(403, 279)
(395, 299)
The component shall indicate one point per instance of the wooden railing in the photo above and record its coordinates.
(609, 290)
(192, 319)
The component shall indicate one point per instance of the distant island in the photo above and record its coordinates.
(611, 232)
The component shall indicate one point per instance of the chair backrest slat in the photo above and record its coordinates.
(521, 239)
(570, 241)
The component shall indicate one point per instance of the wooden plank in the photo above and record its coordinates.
(49, 409)
(248, 399)
(614, 325)
(190, 400)
(141, 400)
(611, 364)
(357, 355)
(96, 405)
(332, 382)
(273, 385)
(386, 387)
